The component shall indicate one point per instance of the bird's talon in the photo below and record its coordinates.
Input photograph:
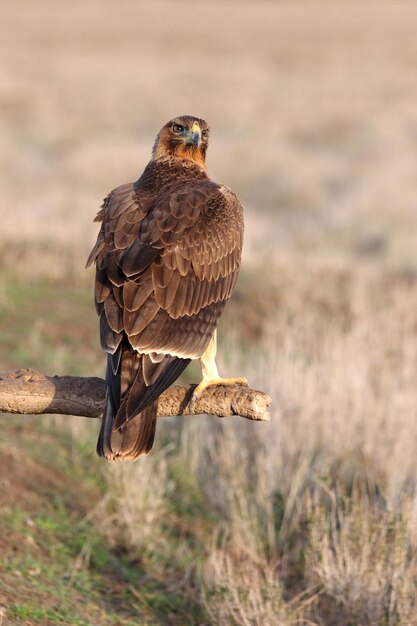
(193, 401)
(216, 382)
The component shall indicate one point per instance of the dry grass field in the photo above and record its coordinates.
(312, 518)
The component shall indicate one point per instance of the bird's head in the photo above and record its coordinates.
(183, 138)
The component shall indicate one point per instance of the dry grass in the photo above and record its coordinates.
(249, 593)
(312, 108)
(312, 518)
(318, 508)
(137, 521)
(364, 561)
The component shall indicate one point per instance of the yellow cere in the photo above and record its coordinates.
(196, 128)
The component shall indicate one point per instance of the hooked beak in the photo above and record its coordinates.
(195, 139)
(194, 135)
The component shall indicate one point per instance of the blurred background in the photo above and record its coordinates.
(311, 519)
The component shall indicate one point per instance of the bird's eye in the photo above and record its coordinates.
(205, 134)
(177, 128)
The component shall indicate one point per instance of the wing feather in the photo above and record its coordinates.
(135, 292)
(134, 323)
(166, 263)
(114, 314)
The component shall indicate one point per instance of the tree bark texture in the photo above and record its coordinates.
(30, 392)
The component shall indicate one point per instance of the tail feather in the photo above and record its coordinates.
(111, 405)
(129, 417)
(143, 395)
(103, 443)
(136, 436)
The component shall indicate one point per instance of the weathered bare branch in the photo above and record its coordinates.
(30, 392)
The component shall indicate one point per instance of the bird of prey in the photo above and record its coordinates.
(167, 259)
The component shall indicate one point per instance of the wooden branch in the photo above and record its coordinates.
(29, 392)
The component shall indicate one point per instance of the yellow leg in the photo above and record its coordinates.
(210, 372)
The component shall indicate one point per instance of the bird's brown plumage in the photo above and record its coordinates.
(167, 258)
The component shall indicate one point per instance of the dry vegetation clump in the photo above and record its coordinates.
(343, 436)
(364, 561)
(248, 593)
(137, 504)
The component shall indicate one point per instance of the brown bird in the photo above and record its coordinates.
(167, 258)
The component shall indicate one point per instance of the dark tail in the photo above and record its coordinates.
(134, 383)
